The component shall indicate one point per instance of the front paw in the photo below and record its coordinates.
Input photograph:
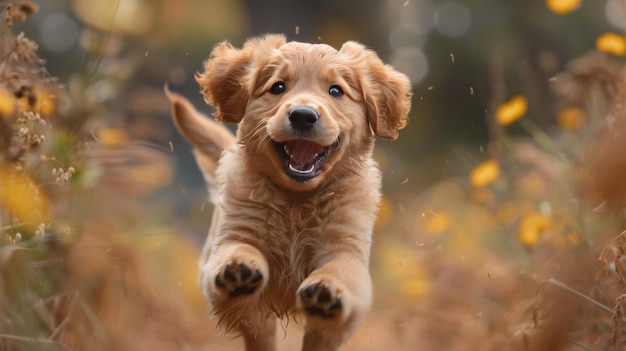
(238, 278)
(320, 299)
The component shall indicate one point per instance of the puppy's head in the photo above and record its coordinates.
(306, 111)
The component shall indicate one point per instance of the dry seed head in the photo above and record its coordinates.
(618, 316)
(41, 230)
(23, 132)
(62, 176)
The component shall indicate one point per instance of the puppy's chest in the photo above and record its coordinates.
(297, 225)
(294, 234)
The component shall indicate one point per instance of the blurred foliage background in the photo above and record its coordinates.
(499, 228)
(451, 50)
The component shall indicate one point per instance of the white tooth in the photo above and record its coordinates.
(302, 172)
(286, 149)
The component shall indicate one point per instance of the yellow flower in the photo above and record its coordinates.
(21, 197)
(485, 173)
(402, 269)
(531, 227)
(439, 222)
(45, 104)
(110, 137)
(7, 104)
(414, 288)
(511, 110)
(563, 7)
(570, 118)
(611, 43)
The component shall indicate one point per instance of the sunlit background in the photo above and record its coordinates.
(506, 180)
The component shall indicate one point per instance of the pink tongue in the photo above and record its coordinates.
(303, 152)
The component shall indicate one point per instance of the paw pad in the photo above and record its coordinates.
(318, 300)
(238, 279)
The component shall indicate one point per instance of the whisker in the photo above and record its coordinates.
(258, 136)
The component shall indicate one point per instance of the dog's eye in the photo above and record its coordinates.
(335, 91)
(278, 88)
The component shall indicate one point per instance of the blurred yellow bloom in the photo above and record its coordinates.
(464, 242)
(110, 137)
(7, 104)
(414, 288)
(439, 222)
(570, 118)
(611, 43)
(511, 110)
(563, 7)
(21, 197)
(385, 212)
(531, 227)
(134, 17)
(45, 104)
(403, 269)
(485, 173)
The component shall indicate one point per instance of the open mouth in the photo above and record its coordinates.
(303, 159)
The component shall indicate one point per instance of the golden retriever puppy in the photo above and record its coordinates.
(296, 191)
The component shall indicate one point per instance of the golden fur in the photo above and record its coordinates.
(296, 193)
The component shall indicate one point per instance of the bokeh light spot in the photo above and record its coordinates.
(453, 19)
(58, 32)
(614, 12)
(563, 7)
(410, 61)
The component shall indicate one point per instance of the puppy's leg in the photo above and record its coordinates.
(260, 335)
(335, 297)
(232, 280)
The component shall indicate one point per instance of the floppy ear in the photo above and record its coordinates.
(225, 80)
(387, 92)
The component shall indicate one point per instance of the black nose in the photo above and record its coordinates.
(303, 118)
